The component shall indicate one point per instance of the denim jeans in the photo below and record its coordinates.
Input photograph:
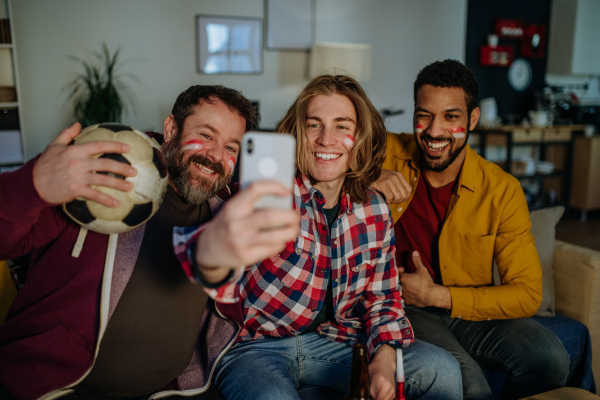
(530, 354)
(311, 367)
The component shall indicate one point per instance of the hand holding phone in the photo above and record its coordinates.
(269, 156)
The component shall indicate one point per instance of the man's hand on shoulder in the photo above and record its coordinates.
(383, 373)
(241, 235)
(64, 173)
(393, 186)
(419, 289)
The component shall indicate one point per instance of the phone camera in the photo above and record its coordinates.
(250, 146)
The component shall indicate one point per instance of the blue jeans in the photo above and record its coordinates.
(311, 367)
(530, 354)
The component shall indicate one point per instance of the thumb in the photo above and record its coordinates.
(418, 262)
(66, 136)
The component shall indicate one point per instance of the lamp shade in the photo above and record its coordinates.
(348, 58)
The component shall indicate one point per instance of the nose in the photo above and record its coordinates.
(326, 137)
(215, 153)
(436, 128)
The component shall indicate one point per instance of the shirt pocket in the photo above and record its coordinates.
(478, 257)
(360, 268)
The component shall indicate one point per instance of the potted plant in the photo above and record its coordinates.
(100, 94)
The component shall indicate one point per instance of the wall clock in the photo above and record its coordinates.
(519, 74)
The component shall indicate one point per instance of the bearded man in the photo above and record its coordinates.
(121, 320)
(462, 213)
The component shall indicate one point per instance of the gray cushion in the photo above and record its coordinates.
(543, 224)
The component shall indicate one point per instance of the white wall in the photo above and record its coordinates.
(159, 35)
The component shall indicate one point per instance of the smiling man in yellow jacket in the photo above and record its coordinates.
(454, 214)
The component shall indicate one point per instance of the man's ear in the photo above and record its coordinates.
(474, 118)
(170, 128)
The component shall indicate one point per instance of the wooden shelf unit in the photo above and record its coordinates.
(544, 142)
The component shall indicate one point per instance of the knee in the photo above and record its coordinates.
(440, 378)
(549, 362)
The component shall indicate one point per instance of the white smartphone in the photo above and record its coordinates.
(269, 156)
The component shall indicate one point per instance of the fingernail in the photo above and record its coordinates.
(132, 171)
(115, 204)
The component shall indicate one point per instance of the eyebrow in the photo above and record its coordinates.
(235, 141)
(455, 109)
(338, 119)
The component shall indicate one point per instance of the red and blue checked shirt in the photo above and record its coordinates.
(284, 293)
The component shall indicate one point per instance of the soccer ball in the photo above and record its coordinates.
(149, 185)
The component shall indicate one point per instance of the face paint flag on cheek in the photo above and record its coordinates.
(419, 128)
(231, 163)
(349, 140)
(194, 144)
(458, 132)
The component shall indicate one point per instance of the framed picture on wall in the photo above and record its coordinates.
(229, 45)
(290, 24)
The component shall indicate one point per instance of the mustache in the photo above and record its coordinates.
(436, 139)
(200, 159)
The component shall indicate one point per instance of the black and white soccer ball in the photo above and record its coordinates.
(149, 185)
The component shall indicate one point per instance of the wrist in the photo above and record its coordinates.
(440, 297)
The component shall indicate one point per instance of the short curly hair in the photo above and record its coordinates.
(450, 73)
(195, 95)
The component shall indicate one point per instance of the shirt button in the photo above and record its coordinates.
(313, 310)
(357, 268)
(314, 257)
(298, 251)
(335, 241)
(323, 271)
(415, 179)
(489, 319)
(337, 280)
(399, 209)
(373, 262)
(460, 316)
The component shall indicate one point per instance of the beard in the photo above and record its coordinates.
(440, 164)
(181, 177)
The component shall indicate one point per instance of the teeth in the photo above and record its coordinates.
(327, 156)
(205, 169)
(437, 145)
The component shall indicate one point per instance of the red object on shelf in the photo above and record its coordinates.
(509, 28)
(534, 41)
(499, 56)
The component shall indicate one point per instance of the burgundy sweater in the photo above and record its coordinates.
(53, 328)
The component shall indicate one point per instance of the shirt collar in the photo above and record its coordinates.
(307, 192)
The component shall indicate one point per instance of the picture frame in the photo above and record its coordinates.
(290, 24)
(229, 45)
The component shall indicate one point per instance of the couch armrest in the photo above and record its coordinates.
(577, 290)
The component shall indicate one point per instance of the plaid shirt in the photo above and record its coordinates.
(283, 294)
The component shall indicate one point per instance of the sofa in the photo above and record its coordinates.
(571, 304)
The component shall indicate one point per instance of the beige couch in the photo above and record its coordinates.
(577, 291)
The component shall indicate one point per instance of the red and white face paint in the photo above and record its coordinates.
(458, 132)
(419, 128)
(194, 144)
(231, 163)
(349, 140)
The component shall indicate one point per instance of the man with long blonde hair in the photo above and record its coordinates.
(336, 284)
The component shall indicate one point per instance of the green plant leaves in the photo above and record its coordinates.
(100, 94)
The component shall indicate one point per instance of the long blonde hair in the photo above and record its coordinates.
(368, 152)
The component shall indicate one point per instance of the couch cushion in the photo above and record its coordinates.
(543, 224)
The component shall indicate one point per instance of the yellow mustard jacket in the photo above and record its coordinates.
(487, 219)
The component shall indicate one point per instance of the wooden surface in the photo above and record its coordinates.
(585, 185)
(564, 394)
